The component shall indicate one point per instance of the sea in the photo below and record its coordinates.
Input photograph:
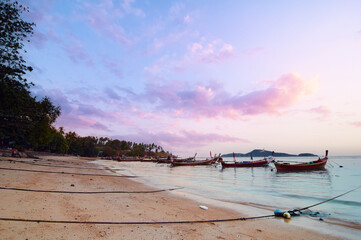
(260, 190)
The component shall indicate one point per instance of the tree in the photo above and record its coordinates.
(74, 143)
(58, 143)
(40, 132)
(88, 146)
(124, 145)
(115, 144)
(23, 119)
(138, 150)
(13, 32)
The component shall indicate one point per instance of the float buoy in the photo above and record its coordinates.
(287, 215)
(278, 212)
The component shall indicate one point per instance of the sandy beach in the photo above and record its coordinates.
(134, 202)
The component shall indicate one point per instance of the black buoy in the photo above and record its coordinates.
(337, 164)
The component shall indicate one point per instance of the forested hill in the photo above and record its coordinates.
(263, 153)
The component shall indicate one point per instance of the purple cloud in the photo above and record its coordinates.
(76, 50)
(38, 39)
(73, 122)
(73, 116)
(112, 94)
(89, 110)
(104, 18)
(38, 10)
(113, 67)
(128, 8)
(56, 96)
(321, 110)
(182, 140)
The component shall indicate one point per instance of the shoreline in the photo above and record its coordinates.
(127, 207)
(339, 227)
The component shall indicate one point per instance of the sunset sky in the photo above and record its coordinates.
(205, 75)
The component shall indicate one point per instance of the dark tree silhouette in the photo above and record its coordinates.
(24, 120)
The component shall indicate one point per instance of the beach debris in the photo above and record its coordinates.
(320, 215)
(277, 212)
(203, 207)
(72, 185)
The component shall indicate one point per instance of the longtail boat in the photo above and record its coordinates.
(170, 159)
(128, 159)
(253, 163)
(195, 163)
(302, 166)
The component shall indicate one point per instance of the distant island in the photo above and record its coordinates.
(263, 153)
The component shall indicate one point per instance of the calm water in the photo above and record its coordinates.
(263, 186)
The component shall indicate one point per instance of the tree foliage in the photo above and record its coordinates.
(13, 32)
(92, 146)
(24, 120)
(58, 143)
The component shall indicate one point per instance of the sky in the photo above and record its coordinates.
(200, 76)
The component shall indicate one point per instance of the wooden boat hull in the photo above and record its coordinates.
(307, 166)
(168, 160)
(258, 163)
(194, 163)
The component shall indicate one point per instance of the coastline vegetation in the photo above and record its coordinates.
(27, 122)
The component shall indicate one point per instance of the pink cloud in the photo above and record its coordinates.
(214, 52)
(254, 51)
(356, 124)
(143, 115)
(321, 110)
(213, 101)
(282, 93)
(73, 122)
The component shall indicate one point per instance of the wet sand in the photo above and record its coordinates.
(114, 207)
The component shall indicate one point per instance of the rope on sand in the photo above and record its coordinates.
(61, 166)
(298, 211)
(54, 191)
(133, 223)
(86, 174)
(163, 222)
